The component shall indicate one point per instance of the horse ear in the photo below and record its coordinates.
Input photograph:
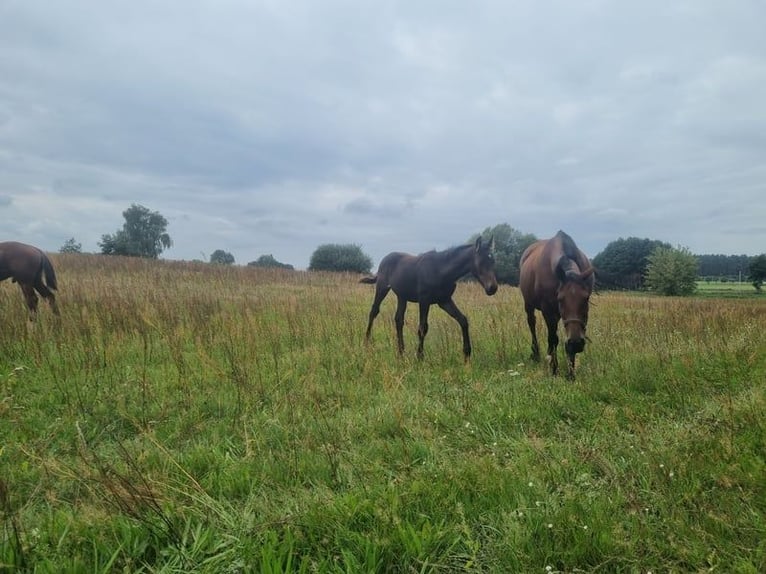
(477, 244)
(588, 272)
(492, 243)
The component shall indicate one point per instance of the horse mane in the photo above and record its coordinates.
(571, 262)
(446, 253)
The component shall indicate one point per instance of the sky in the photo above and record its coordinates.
(276, 126)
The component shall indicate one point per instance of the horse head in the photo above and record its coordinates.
(573, 297)
(483, 266)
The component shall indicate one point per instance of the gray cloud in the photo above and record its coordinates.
(271, 127)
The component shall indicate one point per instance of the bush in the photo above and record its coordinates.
(334, 257)
(672, 271)
(222, 257)
(270, 262)
(509, 245)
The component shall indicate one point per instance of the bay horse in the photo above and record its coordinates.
(431, 278)
(28, 266)
(557, 279)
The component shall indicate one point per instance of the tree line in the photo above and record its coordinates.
(627, 263)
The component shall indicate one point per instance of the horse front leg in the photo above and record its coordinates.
(571, 366)
(454, 312)
(531, 322)
(422, 327)
(401, 307)
(552, 322)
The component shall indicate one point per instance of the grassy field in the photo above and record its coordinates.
(195, 418)
(726, 289)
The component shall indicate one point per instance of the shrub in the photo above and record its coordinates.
(335, 257)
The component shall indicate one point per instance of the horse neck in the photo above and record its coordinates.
(458, 262)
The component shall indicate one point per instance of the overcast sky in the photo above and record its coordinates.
(272, 127)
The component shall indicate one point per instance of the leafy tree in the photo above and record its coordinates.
(335, 257)
(758, 271)
(269, 261)
(509, 245)
(71, 246)
(222, 257)
(142, 235)
(623, 263)
(672, 271)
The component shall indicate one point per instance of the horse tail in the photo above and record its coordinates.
(50, 274)
(369, 280)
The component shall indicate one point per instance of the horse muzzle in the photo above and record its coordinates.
(491, 289)
(574, 346)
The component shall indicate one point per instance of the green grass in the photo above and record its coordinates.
(196, 418)
(727, 289)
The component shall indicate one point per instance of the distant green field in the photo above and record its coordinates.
(726, 289)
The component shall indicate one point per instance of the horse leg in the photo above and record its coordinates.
(423, 327)
(401, 307)
(380, 293)
(454, 312)
(532, 323)
(571, 366)
(31, 298)
(552, 321)
(48, 295)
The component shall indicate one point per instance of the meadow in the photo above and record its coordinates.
(183, 417)
(726, 289)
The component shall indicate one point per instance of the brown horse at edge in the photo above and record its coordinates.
(557, 279)
(32, 270)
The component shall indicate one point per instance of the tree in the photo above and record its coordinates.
(71, 246)
(622, 264)
(222, 257)
(142, 235)
(758, 271)
(334, 257)
(269, 261)
(509, 245)
(672, 271)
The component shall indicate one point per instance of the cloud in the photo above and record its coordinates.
(271, 127)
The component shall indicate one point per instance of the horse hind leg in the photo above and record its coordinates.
(401, 307)
(48, 295)
(531, 322)
(422, 327)
(31, 298)
(380, 294)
